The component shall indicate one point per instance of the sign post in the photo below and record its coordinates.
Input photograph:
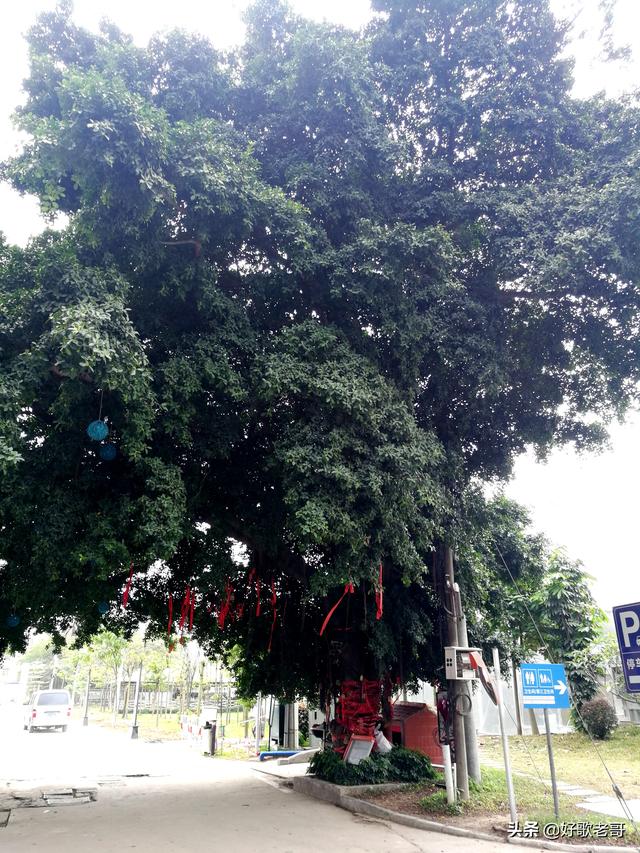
(627, 621)
(544, 685)
(513, 812)
(552, 764)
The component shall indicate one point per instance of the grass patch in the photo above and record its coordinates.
(166, 727)
(576, 759)
(534, 802)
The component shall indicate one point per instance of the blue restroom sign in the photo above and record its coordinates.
(544, 685)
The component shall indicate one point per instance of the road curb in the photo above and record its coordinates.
(341, 796)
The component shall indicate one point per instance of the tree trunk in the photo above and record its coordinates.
(125, 710)
(200, 688)
(116, 700)
(534, 723)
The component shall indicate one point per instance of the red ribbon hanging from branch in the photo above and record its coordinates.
(379, 593)
(170, 625)
(275, 612)
(226, 607)
(184, 608)
(348, 588)
(127, 589)
(258, 605)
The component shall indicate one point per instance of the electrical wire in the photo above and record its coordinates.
(525, 744)
(614, 786)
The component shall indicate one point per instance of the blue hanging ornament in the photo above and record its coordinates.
(108, 452)
(97, 430)
(103, 607)
(13, 620)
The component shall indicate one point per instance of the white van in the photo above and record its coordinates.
(48, 709)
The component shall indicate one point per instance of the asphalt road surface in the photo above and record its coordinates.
(168, 797)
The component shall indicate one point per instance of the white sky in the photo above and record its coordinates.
(587, 503)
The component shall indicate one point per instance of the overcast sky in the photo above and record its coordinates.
(587, 503)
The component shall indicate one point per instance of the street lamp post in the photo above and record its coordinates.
(134, 727)
(85, 719)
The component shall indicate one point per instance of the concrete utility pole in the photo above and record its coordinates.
(470, 736)
(454, 693)
(292, 734)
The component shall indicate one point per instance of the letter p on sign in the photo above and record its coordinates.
(629, 624)
(626, 618)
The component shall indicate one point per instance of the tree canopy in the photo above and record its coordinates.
(317, 288)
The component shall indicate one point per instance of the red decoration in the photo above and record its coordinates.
(226, 607)
(127, 589)
(379, 592)
(348, 588)
(258, 605)
(358, 710)
(184, 608)
(170, 625)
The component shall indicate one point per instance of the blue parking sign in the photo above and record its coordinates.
(627, 621)
(544, 685)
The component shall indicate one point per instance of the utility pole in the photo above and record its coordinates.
(292, 735)
(459, 737)
(134, 726)
(470, 737)
(85, 719)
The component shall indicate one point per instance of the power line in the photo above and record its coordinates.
(614, 786)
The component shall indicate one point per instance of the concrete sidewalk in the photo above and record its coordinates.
(232, 809)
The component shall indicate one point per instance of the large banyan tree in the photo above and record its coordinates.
(316, 290)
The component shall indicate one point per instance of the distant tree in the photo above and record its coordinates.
(571, 623)
(527, 598)
(108, 651)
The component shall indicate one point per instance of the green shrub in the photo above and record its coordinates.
(599, 718)
(399, 765)
(328, 765)
(407, 765)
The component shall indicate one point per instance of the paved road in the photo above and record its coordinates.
(186, 803)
